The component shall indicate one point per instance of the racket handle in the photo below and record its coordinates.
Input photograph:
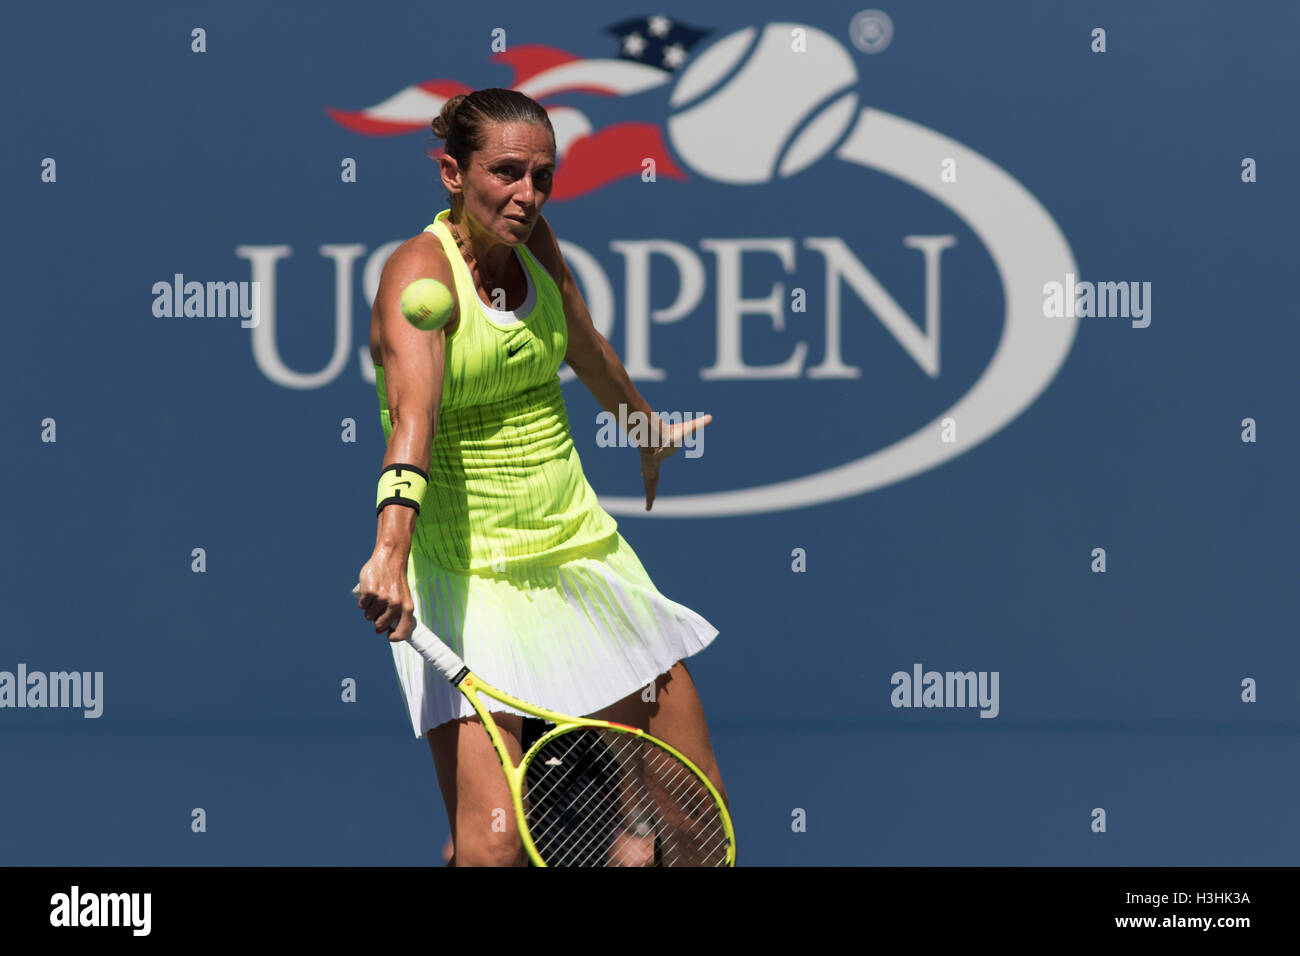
(432, 649)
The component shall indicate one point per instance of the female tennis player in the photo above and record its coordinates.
(508, 557)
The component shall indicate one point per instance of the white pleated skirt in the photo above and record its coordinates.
(573, 638)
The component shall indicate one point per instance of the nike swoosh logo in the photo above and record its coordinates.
(407, 483)
(512, 352)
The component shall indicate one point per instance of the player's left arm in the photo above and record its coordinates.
(589, 353)
(597, 366)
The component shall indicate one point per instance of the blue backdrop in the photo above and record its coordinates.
(1013, 138)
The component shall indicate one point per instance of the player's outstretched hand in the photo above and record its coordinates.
(671, 437)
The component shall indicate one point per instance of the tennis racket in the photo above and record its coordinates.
(596, 793)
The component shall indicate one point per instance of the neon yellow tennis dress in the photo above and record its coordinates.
(513, 561)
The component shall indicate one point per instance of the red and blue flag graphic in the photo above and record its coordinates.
(651, 51)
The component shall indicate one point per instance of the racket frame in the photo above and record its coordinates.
(471, 685)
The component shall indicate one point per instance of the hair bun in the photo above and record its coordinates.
(442, 122)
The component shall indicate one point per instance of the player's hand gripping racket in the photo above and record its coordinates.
(595, 793)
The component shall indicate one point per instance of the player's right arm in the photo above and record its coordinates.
(413, 363)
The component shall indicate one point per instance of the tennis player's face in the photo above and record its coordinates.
(509, 180)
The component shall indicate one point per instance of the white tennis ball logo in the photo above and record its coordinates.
(752, 109)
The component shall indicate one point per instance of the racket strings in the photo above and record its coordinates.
(571, 800)
(596, 808)
(598, 797)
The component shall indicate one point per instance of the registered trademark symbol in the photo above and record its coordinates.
(871, 31)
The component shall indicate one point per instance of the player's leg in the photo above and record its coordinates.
(675, 716)
(533, 729)
(479, 808)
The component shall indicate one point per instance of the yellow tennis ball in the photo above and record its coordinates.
(427, 304)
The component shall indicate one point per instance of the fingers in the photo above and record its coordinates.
(695, 423)
(404, 628)
(388, 618)
(389, 615)
(397, 622)
(669, 437)
(675, 436)
(683, 429)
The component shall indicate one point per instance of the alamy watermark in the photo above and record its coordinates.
(949, 689)
(179, 299)
(70, 689)
(638, 430)
(75, 908)
(1105, 300)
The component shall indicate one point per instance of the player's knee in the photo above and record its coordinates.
(494, 845)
